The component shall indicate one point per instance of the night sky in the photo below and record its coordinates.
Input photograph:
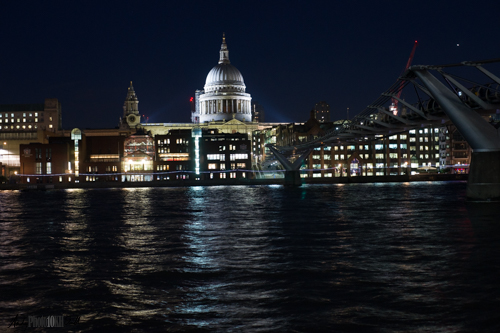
(291, 54)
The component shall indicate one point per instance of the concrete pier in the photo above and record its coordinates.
(292, 178)
(484, 177)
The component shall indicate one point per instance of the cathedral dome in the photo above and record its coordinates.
(224, 76)
(224, 97)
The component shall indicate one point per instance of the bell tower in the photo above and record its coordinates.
(131, 114)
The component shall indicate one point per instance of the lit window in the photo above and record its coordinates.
(50, 118)
(50, 125)
(36, 120)
(49, 168)
(38, 168)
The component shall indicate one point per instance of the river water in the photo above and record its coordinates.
(393, 257)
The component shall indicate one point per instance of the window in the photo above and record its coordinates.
(234, 157)
(38, 168)
(379, 146)
(216, 157)
(232, 175)
(222, 175)
(212, 166)
(49, 168)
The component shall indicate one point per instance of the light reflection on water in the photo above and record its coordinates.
(354, 257)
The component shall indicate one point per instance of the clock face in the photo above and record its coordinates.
(131, 118)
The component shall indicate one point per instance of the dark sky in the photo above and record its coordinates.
(291, 54)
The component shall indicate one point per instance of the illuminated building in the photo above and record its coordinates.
(223, 97)
(225, 156)
(46, 163)
(22, 124)
(174, 155)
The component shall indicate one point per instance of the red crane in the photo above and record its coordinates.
(394, 106)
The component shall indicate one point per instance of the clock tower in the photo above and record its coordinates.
(131, 116)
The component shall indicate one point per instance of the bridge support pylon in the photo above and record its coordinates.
(292, 178)
(484, 176)
(292, 170)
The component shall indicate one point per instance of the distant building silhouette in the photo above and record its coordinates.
(322, 111)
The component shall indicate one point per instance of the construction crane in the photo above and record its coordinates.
(394, 105)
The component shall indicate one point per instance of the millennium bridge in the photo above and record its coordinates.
(442, 93)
